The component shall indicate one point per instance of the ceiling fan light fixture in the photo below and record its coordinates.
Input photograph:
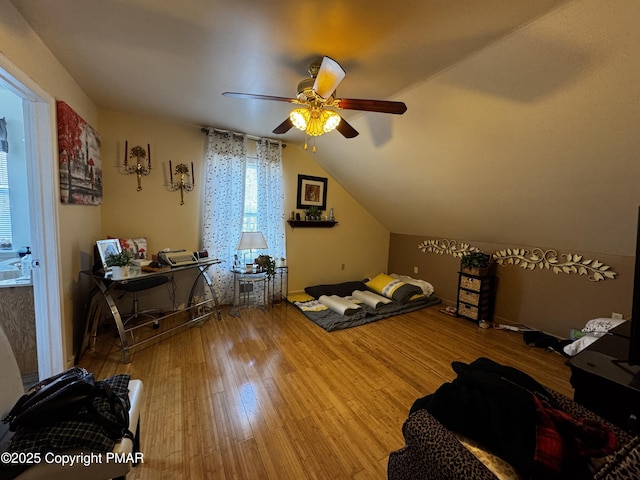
(331, 120)
(300, 118)
(314, 121)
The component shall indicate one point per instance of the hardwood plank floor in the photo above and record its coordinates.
(273, 396)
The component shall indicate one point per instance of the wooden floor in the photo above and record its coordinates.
(274, 396)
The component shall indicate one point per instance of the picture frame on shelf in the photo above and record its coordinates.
(312, 192)
(107, 247)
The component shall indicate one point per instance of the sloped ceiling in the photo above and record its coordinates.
(522, 116)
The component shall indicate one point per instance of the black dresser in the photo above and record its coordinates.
(605, 383)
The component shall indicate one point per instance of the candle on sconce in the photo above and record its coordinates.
(193, 178)
(170, 172)
(148, 156)
(126, 151)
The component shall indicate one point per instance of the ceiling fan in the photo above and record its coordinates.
(317, 100)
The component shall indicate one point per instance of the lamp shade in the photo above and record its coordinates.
(252, 240)
(329, 77)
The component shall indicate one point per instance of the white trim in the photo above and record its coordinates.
(40, 147)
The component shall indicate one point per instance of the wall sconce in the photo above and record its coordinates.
(184, 186)
(138, 167)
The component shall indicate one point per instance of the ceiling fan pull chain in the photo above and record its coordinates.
(313, 143)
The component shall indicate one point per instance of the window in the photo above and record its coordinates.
(250, 217)
(6, 240)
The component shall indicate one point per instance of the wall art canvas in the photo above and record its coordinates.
(79, 158)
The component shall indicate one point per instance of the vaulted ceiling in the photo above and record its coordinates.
(158, 58)
(492, 87)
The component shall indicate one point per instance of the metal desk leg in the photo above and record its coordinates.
(207, 280)
(117, 318)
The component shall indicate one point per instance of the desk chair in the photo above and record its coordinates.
(136, 286)
(12, 389)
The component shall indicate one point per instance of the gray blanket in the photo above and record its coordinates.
(330, 320)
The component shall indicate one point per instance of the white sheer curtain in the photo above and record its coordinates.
(223, 204)
(223, 201)
(271, 214)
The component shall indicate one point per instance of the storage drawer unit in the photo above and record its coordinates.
(475, 296)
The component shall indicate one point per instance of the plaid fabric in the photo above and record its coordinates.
(78, 429)
(564, 443)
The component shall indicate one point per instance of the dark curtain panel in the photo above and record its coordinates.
(4, 144)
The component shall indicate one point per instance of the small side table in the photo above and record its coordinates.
(249, 291)
(279, 285)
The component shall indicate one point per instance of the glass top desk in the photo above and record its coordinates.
(196, 310)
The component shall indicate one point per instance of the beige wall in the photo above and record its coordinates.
(316, 255)
(313, 255)
(550, 302)
(154, 212)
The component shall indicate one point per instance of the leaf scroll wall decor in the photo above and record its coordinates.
(569, 263)
(450, 247)
(550, 260)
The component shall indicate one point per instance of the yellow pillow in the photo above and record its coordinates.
(393, 288)
(380, 281)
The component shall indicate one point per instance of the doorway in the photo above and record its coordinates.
(43, 199)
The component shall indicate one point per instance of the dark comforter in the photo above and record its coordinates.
(331, 320)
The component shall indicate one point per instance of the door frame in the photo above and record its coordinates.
(43, 185)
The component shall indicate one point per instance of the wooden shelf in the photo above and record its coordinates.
(311, 223)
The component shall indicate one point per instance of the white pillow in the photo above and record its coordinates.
(580, 344)
(426, 287)
(599, 326)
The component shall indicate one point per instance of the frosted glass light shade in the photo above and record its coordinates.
(314, 121)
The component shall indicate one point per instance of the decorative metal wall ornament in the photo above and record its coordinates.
(550, 260)
(183, 185)
(450, 247)
(141, 165)
(594, 270)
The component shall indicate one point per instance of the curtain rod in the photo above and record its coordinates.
(206, 131)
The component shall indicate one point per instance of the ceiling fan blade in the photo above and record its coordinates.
(329, 77)
(252, 96)
(284, 127)
(382, 106)
(346, 130)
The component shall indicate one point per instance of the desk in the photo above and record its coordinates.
(604, 383)
(127, 334)
(249, 291)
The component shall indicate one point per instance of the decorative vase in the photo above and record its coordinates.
(120, 273)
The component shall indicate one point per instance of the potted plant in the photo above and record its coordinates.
(266, 264)
(475, 263)
(120, 264)
(312, 213)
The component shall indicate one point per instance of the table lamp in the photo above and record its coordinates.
(250, 241)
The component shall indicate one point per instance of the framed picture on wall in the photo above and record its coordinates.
(312, 192)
